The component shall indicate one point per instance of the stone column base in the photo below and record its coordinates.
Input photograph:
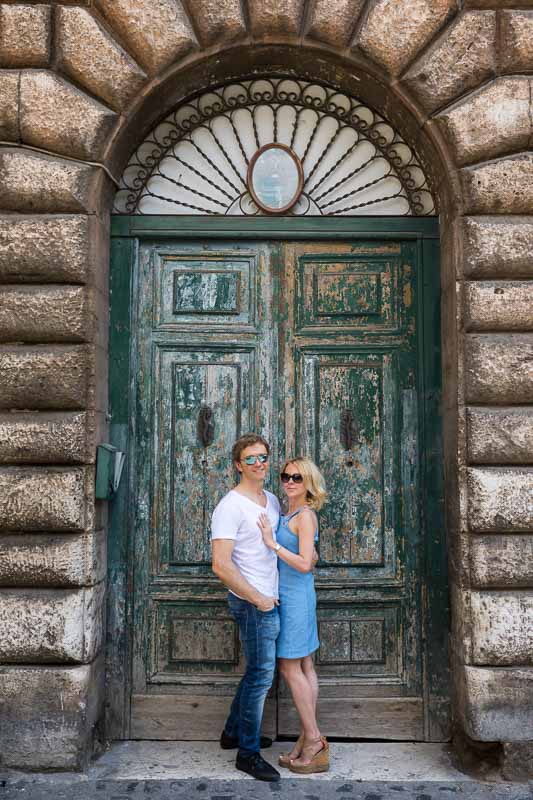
(49, 715)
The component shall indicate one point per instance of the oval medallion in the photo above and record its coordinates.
(275, 178)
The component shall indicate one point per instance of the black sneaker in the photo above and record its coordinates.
(231, 742)
(256, 766)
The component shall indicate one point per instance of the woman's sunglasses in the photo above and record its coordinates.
(295, 477)
(250, 460)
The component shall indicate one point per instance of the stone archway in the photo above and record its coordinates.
(75, 105)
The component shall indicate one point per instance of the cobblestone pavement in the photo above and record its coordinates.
(286, 789)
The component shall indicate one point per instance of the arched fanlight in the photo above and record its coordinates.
(274, 146)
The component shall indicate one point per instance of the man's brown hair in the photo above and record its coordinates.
(247, 440)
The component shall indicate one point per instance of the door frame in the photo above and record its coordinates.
(126, 233)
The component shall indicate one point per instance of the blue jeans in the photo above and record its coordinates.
(258, 631)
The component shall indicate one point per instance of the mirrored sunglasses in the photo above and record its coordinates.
(250, 460)
(295, 477)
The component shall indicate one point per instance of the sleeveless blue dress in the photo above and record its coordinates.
(298, 636)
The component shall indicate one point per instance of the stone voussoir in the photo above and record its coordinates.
(156, 33)
(33, 182)
(54, 499)
(517, 36)
(25, 35)
(493, 121)
(395, 30)
(499, 306)
(9, 105)
(498, 247)
(46, 377)
(45, 438)
(500, 435)
(57, 116)
(501, 561)
(501, 630)
(89, 55)
(334, 23)
(462, 58)
(38, 249)
(275, 18)
(496, 704)
(52, 560)
(218, 22)
(504, 186)
(62, 626)
(499, 368)
(500, 499)
(62, 703)
(46, 314)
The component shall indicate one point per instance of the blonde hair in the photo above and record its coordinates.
(313, 481)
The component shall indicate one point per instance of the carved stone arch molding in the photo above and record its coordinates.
(80, 86)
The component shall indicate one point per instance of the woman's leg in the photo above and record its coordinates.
(305, 702)
(308, 669)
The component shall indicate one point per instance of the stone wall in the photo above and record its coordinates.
(75, 79)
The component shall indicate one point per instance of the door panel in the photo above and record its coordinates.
(203, 346)
(349, 347)
(315, 345)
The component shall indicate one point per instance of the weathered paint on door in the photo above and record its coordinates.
(319, 346)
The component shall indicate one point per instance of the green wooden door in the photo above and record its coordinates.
(323, 347)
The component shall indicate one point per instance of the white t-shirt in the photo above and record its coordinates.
(236, 517)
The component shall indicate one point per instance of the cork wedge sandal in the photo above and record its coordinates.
(319, 762)
(284, 760)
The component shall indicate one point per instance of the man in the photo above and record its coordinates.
(249, 570)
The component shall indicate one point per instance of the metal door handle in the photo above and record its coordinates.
(206, 426)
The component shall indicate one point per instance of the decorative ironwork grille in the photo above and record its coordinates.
(197, 159)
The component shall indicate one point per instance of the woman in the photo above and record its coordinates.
(294, 544)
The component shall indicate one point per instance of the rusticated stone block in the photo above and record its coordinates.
(47, 249)
(46, 499)
(33, 182)
(54, 560)
(517, 761)
(275, 18)
(218, 22)
(62, 703)
(500, 499)
(517, 41)
(463, 57)
(9, 105)
(499, 368)
(499, 306)
(504, 186)
(501, 628)
(498, 247)
(56, 115)
(55, 249)
(335, 23)
(501, 561)
(45, 314)
(491, 122)
(395, 30)
(45, 438)
(496, 704)
(41, 377)
(157, 33)
(24, 35)
(87, 53)
(500, 435)
(51, 625)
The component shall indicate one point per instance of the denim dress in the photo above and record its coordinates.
(298, 636)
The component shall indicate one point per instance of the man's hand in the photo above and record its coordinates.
(266, 603)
